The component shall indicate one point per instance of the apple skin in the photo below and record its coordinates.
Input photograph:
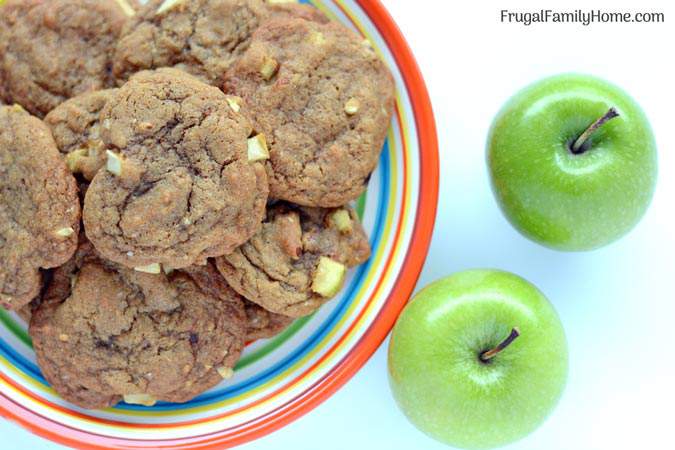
(563, 200)
(435, 372)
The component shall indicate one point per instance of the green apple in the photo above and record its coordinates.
(572, 160)
(478, 359)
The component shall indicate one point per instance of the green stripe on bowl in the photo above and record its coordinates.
(16, 329)
(361, 205)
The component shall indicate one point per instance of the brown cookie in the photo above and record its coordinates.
(178, 187)
(26, 311)
(55, 49)
(39, 209)
(323, 100)
(260, 323)
(202, 37)
(105, 333)
(298, 260)
(76, 127)
(263, 324)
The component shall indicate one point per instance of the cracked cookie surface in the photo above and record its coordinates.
(260, 323)
(323, 100)
(76, 127)
(202, 37)
(52, 50)
(184, 188)
(276, 268)
(105, 333)
(39, 208)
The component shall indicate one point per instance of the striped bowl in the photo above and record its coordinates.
(280, 379)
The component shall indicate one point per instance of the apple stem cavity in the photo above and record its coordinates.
(579, 146)
(486, 356)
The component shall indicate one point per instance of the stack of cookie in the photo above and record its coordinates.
(175, 181)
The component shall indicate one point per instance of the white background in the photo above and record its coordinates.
(617, 304)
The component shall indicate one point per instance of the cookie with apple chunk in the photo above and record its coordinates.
(179, 186)
(201, 37)
(299, 260)
(76, 127)
(104, 334)
(39, 209)
(323, 100)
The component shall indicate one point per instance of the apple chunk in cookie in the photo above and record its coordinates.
(39, 207)
(76, 127)
(323, 100)
(299, 260)
(178, 186)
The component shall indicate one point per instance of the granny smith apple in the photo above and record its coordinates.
(573, 162)
(478, 360)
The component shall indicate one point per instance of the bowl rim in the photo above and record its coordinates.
(403, 287)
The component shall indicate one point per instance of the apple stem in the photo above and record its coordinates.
(489, 354)
(578, 146)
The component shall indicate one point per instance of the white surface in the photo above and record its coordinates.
(617, 304)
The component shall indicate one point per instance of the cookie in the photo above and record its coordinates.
(53, 50)
(202, 37)
(263, 324)
(26, 311)
(105, 333)
(39, 209)
(323, 100)
(260, 323)
(76, 128)
(178, 186)
(298, 260)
